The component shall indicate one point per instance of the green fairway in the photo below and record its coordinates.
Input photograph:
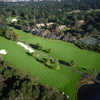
(65, 51)
(63, 79)
(60, 79)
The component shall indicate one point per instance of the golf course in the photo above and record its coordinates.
(63, 79)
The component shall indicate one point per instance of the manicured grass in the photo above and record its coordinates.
(63, 79)
(65, 51)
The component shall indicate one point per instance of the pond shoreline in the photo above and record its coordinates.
(88, 90)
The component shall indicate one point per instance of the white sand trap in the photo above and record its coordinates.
(3, 52)
(14, 20)
(26, 47)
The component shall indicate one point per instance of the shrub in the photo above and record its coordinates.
(1, 59)
(11, 35)
(35, 80)
(39, 47)
(48, 62)
(72, 63)
(48, 50)
(58, 67)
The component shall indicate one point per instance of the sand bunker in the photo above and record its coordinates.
(3, 52)
(26, 47)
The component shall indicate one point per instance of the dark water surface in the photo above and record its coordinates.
(90, 92)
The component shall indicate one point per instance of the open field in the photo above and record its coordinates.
(63, 79)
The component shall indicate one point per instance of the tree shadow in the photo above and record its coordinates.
(64, 63)
(33, 46)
